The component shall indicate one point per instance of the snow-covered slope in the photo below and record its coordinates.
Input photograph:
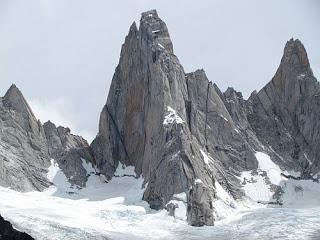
(115, 210)
(257, 184)
(269, 185)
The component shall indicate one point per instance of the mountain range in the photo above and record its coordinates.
(179, 131)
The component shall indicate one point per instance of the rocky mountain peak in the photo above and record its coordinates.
(295, 54)
(294, 78)
(14, 99)
(23, 139)
(13, 94)
(155, 30)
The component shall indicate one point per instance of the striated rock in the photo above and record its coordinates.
(24, 158)
(176, 127)
(160, 120)
(285, 112)
(148, 87)
(69, 151)
(7, 232)
(213, 127)
(200, 209)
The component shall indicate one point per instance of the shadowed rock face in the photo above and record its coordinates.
(178, 127)
(7, 232)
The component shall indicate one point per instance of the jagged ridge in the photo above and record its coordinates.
(150, 84)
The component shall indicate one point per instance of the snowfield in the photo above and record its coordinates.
(115, 210)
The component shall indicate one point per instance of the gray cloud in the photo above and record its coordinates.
(68, 49)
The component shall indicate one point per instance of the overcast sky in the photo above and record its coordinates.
(62, 53)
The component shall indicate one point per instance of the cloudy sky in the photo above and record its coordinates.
(62, 53)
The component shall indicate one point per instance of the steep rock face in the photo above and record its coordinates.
(178, 128)
(23, 151)
(285, 112)
(149, 84)
(166, 122)
(8, 232)
(69, 151)
(216, 132)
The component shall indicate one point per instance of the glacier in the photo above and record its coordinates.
(114, 210)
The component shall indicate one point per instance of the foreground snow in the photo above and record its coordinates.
(115, 210)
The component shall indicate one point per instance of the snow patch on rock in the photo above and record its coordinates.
(255, 184)
(172, 117)
(267, 165)
(198, 181)
(88, 167)
(206, 158)
(58, 178)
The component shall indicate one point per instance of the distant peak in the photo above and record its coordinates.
(295, 53)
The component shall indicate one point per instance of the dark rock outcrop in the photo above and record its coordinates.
(7, 232)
